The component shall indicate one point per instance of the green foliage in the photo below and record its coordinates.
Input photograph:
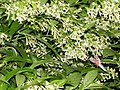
(89, 78)
(20, 79)
(46, 44)
(63, 23)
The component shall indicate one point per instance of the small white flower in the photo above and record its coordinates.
(3, 35)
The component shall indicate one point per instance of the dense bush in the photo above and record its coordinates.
(46, 44)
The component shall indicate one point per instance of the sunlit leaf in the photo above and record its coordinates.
(89, 77)
(3, 86)
(19, 79)
(43, 2)
(74, 78)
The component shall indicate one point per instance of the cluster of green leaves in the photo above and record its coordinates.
(45, 44)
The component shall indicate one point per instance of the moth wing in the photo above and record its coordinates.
(92, 60)
(102, 67)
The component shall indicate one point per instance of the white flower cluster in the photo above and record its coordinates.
(3, 37)
(47, 86)
(36, 47)
(111, 75)
(79, 49)
(63, 23)
(24, 10)
(106, 15)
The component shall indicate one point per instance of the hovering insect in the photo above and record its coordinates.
(97, 62)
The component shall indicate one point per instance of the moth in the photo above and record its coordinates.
(97, 62)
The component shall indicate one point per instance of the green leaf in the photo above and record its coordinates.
(74, 79)
(10, 74)
(2, 79)
(89, 77)
(81, 87)
(53, 23)
(97, 86)
(21, 51)
(116, 46)
(43, 2)
(20, 79)
(2, 10)
(108, 61)
(40, 62)
(59, 82)
(90, 25)
(34, 58)
(9, 51)
(108, 52)
(32, 83)
(118, 63)
(17, 59)
(71, 1)
(101, 32)
(3, 86)
(15, 26)
(49, 46)
(11, 88)
(69, 69)
(116, 33)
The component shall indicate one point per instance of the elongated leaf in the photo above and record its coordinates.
(9, 51)
(17, 59)
(40, 62)
(118, 63)
(89, 77)
(109, 61)
(10, 74)
(97, 86)
(116, 46)
(15, 26)
(89, 25)
(19, 50)
(59, 82)
(20, 79)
